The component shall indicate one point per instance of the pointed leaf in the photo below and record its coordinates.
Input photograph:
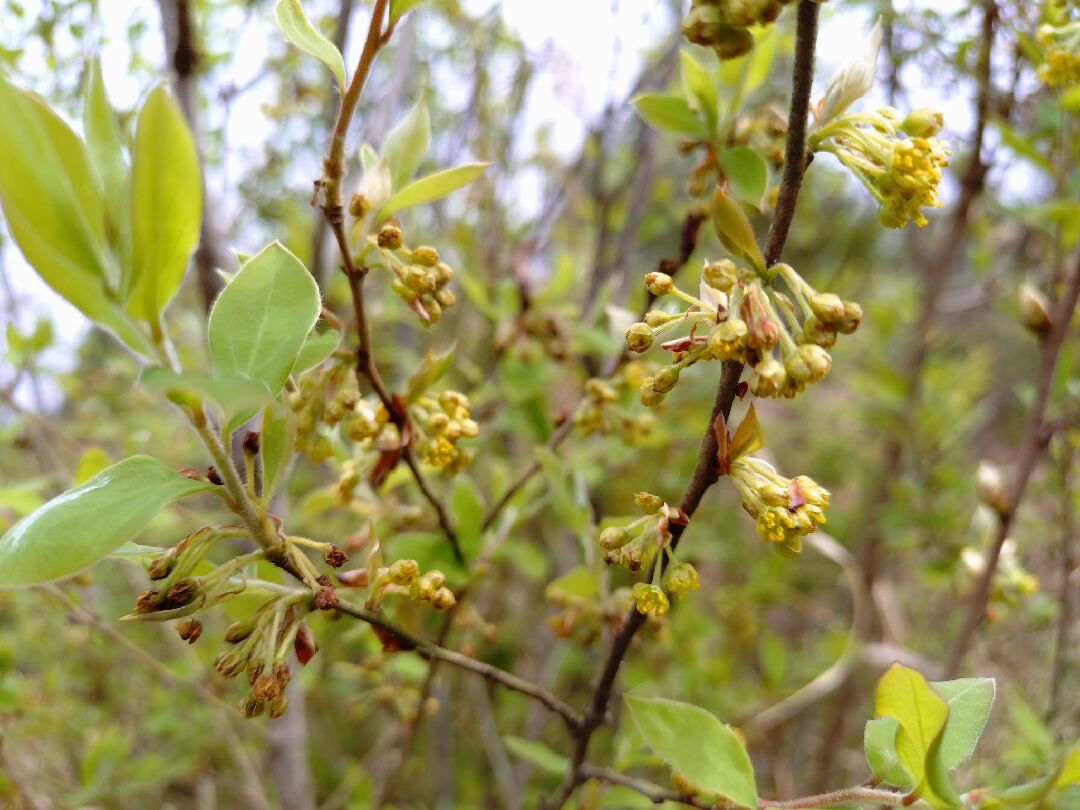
(970, 701)
(697, 745)
(700, 87)
(278, 442)
(400, 7)
(904, 694)
(295, 25)
(434, 186)
(671, 114)
(734, 229)
(538, 754)
(166, 204)
(261, 320)
(879, 744)
(80, 527)
(430, 372)
(748, 436)
(235, 397)
(316, 349)
(407, 144)
(747, 174)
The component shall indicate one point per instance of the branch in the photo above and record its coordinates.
(705, 473)
(433, 652)
(1035, 441)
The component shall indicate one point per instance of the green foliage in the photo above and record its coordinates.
(294, 24)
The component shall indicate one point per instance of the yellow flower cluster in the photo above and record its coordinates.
(649, 600)
(421, 279)
(442, 421)
(739, 316)
(899, 161)
(785, 508)
(1061, 51)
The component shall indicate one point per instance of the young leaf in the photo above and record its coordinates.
(699, 85)
(105, 146)
(278, 441)
(747, 174)
(879, 745)
(92, 461)
(434, 186)
(236, 397)
(166, 204)
(734, 229)
(904, 694)
(261, 320)
(577, 583)
(407, 144)
(468, 509)
(748, 436)
(295, 25)
(538, 754)
(697, 745)
(430, 371)
(83, 525)
(852, 81)
(670, 114)
(316, 349)
(970, 701)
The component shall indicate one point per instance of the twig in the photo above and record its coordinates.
(1068, 565)
(1035, 441)
(705, 473)
(431, 651)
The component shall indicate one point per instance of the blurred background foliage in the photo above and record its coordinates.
(549, 249)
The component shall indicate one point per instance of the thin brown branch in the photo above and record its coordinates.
(1068, 564)
(705, 473)
(1034, 443)
(431, 651)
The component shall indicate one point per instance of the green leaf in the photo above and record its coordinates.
(734, 229)
(1070, 769)
(670, 114)
(569, 512)
(278, 442)
(747, 174)
(83, 525)
(105, 146)
(577, 583)
(879, 744)
(261, 320)
(433, 187)
(236, 397)
(697, 745)
(538, 754)
(904, 694)
(699, 86)
(748, 436)
(92, 461)
(166, 205)
(398, 8)
(54, 209)
(407, 144)
(468, 508)
(970, 701)
(430, 372)
(295, 25)
(316, 348)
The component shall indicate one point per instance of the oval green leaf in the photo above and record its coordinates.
(85, 524)
(296, 26)
(434, 186)
(734, 229)
(407, 144)
(261, 320)
(970, 701)
(747, 174)
(693, 742)
(670, 114)
(904, 694)
(166, 204)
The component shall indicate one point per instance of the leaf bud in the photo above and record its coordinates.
(648, 503)
(659, 283)
(639, 337)
(403, 572)
(990, 486)
(335, 556)
(390, 237)
(1034, 310)
(426, 256)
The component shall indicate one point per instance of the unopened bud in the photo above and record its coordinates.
(1034, 310)
(390, 237)
(666, 378)
(444, 599)
(251, 443)
(162, 566)
(720, 275)
(147, 601)
(853, 316)
(828, 307)
(359, 205)
(991, 487)
(817, 360)
(614, 537)
(213, 476)
(922, 123)
(648, 503)
(659, 283)
(403, 572)
(446, 297)
(426, 256)
(238, 631)
(639, 337)
(657, 317)
(648, 395)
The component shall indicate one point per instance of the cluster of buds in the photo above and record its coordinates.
(898, 159)
(601, 410)
(785, 508)
(723, 25)
(404, 577)
(1061, 54)
(421, 279)
(784, 339)
(635, 545)
(328, 397)
(441, 421)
